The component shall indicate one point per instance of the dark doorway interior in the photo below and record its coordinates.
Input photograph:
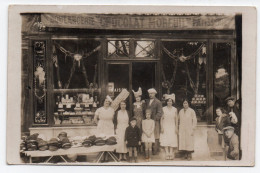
(143, 75)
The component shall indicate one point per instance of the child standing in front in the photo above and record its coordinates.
(148, 134)
(133, 139)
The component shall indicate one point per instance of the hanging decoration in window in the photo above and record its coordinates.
(77, 62)
(39, 82)
(200, 53)
(39, 87)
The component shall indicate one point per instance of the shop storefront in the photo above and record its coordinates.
(72, 61)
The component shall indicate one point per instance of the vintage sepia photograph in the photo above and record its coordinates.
(133, 88)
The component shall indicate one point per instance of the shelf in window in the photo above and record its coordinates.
(83, 90)
(71, 125)
(76, 115)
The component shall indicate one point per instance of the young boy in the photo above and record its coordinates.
(133, 139)
(233, 149)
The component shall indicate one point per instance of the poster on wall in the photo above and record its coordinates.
(133, 87)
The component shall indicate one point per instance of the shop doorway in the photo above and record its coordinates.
(130, 76)
(143, 75)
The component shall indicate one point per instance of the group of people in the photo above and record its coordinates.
(228, 124)
(151, 126)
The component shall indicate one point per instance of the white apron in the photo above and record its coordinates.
(188, 123)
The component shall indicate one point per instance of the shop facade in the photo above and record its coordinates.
(72, 61)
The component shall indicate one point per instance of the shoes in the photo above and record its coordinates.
(135, 159)
(189, 157)
(185, 156)
(130, 159)
(171, 158)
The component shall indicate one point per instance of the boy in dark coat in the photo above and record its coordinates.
(133, 139)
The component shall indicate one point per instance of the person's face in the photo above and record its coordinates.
(237, 105)
(138, 99)
(169, 102)
(148, 115)
(133, 123)
(229, 133)
(106, 103)
(152, 95)
(185, 105)
(122, 106)
(218, 112)
(231, 103)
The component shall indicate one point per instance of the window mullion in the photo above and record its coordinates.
(131, 48)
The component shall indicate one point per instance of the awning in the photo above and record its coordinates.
(139, 22)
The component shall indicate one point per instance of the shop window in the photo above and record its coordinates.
(118, 48)
(75, 64)
(222, 71)
(184, 74)
(39, 82)
(144, 49)
(75, 81)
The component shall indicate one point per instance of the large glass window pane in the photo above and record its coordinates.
(222, 71)
(75, 81)
(75, 64)
(184, 73)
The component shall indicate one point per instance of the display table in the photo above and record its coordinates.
(101, 150)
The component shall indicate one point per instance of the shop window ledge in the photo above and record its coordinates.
(76, 90)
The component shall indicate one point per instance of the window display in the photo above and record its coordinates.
(184, 73)
(222, 70)
(75, 81)
(39, 82)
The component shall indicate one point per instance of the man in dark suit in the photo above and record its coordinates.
(156, 108)
(233, 110)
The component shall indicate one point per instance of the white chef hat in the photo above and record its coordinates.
(138, 93)
(109, 98)
(152, 90)
(169, 96)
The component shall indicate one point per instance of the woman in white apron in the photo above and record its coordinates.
(169, 127)
(121, 122)
(188, 123)
(104, 117)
